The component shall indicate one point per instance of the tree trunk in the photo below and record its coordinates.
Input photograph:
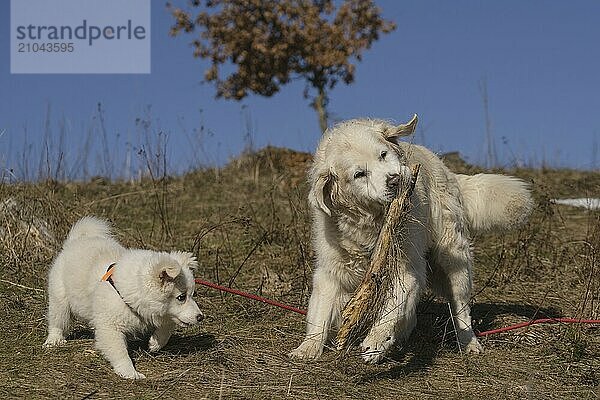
(320, 105)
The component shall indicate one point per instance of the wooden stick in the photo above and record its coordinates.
(365, 305)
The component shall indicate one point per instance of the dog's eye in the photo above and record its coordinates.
(360, 174)
(181, 297)
(382, 155)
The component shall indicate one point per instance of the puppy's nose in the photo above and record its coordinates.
(392, 180)
(199, 317)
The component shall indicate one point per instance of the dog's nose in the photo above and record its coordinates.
(393, 180)
(199, 317)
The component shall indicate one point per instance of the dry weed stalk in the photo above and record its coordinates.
(365, 305)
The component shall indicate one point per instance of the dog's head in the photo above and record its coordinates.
(172, 275)
(359, 164)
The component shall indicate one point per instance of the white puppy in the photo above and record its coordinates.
(119, 291)
(357, 170)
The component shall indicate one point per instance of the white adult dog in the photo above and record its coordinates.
(357, 169)
(119, 291)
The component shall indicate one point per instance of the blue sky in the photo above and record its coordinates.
(540, 60)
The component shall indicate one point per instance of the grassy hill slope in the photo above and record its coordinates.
(249, 225)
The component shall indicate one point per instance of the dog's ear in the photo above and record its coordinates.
(185, 258)
(323, 192)
(394, 133)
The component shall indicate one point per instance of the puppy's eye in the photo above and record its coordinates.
(360, 174)
(181, 297)
(382, 155)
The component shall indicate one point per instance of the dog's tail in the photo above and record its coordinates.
(495, 202)
(89, 227)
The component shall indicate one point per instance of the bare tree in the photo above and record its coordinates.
(256, 46)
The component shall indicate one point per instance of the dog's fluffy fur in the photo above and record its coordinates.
(153, 292)
(356, 172)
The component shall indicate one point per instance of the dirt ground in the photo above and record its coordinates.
(248, 223)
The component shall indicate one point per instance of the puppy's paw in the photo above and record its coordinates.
(136, 375)
(53, 341)
(473, 347)
(129, 373)
(309, 349)
(376, 345)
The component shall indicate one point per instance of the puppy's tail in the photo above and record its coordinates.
(495, 202)
(88, 227)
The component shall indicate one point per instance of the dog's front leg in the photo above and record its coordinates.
(161, 336)
(113, 344)
(326, 302)
(398, 317)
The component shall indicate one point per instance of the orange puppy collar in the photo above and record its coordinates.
(107, 277)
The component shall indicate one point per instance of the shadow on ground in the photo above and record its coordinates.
(434, 333)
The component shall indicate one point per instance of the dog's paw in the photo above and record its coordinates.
(53, 341)
(375, 347)
(469, 343)
(473, 347)
(309, 349)
(154, 345)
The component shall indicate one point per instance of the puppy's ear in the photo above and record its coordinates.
(166, 270)
(394, 133)
(185, 258)
(324, 192)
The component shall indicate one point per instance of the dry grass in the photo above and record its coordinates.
(248, 224)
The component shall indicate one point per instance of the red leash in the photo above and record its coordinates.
(539, 321)
(250, 296)
(479, 334)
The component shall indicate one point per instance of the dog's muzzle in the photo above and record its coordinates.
(393, 181)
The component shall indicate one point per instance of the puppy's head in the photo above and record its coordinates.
(359, 164)
(172, 272)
